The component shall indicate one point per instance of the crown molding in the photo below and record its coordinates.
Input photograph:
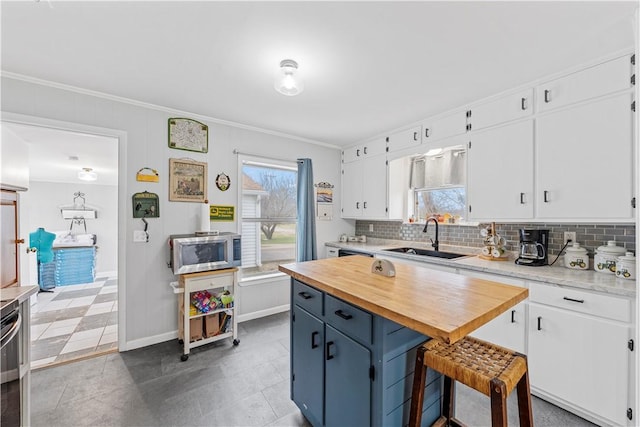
(181, 113)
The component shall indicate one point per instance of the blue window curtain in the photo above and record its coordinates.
(306, 227)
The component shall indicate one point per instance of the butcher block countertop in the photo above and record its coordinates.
(434, 303)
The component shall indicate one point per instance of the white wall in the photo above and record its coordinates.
(44, 200)
(149, 305)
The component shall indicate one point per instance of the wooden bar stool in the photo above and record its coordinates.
(492, 370)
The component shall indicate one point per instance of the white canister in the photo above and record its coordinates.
(626, 266)
(576, 257)
(604, 260)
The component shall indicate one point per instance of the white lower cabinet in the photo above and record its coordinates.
(579, 358)
(510, 328)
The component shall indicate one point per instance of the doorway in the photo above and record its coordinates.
(75, 315)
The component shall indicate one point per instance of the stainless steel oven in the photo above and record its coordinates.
(11, 321)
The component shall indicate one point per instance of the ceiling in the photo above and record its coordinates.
(52, 152)
(369, 67)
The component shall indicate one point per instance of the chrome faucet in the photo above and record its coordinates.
(435, 243)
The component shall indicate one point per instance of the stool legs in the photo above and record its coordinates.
(498, 403)
(524, 401)
(417, 392)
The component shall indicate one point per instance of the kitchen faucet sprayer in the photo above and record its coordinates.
(435, 244)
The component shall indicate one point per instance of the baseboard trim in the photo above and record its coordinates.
(263, 313)
(144, 342)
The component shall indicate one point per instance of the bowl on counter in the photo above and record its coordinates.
(626, 266)
(604, 260)
(576, 257)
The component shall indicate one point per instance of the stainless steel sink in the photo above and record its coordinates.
(426, 252)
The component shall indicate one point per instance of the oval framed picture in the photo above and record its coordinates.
(223, 182)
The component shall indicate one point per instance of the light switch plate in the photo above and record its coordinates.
(569, 235)
(139, 236)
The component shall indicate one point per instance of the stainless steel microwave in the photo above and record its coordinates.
(190, 253)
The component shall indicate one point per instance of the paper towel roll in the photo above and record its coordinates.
(205, 222)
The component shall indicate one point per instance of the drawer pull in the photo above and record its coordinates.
(305, 295)
(313, 339)
(547, 96)
(513, 316)
(581, 301)
(539, 326)
(329, 356)
(340, 313)
(523, 103)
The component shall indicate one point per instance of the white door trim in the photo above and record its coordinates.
(122, 199)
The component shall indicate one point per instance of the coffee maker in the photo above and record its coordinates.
(533, 247)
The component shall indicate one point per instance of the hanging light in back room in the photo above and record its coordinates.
(87, 174)
(288, 81)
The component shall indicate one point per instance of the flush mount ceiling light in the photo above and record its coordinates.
(288, 81)
(87, 174)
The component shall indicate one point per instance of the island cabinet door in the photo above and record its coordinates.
(347, 381)
(307, 364)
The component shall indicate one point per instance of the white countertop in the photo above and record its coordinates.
(21, 293)
(556, 274)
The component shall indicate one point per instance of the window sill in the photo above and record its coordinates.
(263, 278)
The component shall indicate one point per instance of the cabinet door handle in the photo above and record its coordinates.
(313, 339)
(522, 198)
(357, 205)
(426, 133)
(539, 325)
(546, 196)
(358, 152)
(364, 205)
(513, 316)
(305, 295)
(547, 95)
(340, 313)
(523, 103)
(365, 150)
(329, 356)
(415, 136)
(581, 301)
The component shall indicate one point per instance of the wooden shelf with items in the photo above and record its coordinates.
(206, 324)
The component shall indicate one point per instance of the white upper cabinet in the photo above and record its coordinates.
(500, 173)
(502, 110)
(584, 165)
(360, 151)
(364, 181)
(601, 79)
(405, 139)
(444, 127)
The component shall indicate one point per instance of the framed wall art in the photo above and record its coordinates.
(188, 134)
(187, 181)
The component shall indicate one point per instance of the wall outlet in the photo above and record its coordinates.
(139, 236)
(370, 227)
(569, 235)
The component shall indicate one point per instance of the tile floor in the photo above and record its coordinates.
(74, 321)
(220, 385)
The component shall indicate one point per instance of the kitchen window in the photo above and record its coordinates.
(438, 181)
(268, 223)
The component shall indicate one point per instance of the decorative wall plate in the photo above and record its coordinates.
(187, 134)
(223, 182)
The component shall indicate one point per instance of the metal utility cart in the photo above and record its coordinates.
(219, 322)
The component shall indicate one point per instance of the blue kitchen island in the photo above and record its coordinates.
(354, 335)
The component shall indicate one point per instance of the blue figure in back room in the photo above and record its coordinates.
(42, 241)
